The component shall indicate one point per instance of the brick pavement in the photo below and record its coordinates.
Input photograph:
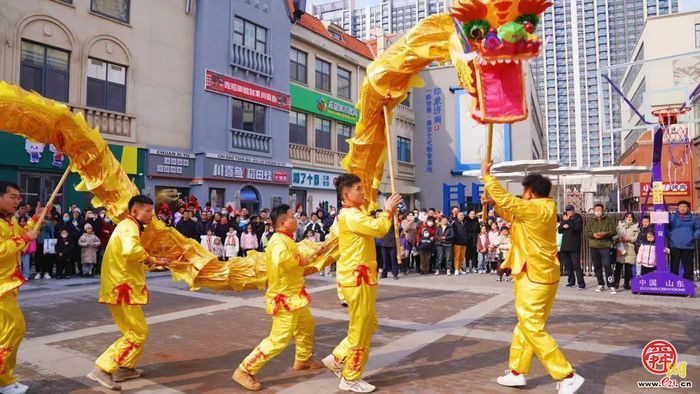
(437, 335)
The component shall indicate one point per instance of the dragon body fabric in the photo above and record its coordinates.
(499, 33)
(46, 121)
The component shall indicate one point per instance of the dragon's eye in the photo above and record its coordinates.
(476, 29)
(529, 22)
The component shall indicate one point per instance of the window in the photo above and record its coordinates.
(323, 75)
(106, 86)
(249, 35)
(344, 83)
(407, 101)
(697, 35)
(323, 133)
(248, 116)
(115, 9)
(343, 132)
(403, 149)
(336, 35)
(44, 70)
(297, 65)
(297, 128)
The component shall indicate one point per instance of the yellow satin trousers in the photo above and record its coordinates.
(127, 350)
(354, 349)
(12, 330)
(297, 324)
(533, 302)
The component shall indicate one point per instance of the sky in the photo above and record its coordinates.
(686, 5)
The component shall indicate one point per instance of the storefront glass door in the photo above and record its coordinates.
(38, 187)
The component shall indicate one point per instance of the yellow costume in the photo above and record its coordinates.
(357, 277)
(533, 261)
(287, 302)
(123, 289)
(12, 241)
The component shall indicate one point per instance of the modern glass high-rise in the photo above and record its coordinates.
(580, 37)
(384, 17)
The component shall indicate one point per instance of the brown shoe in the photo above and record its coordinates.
(103, 378)
(308, 364)
(246, 380)
(123, 374)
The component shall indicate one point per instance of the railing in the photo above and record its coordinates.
(246, 140)
(407, 170)
(315, 156)
(113, 125)
(251, 60)
(405, 113)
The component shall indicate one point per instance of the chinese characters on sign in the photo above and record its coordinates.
(669, 189)
(312, 179)
(171, 163)
(237, 172)
(228, 86)
(433, 109)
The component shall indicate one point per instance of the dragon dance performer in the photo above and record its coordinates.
(13, 239)
(357, 276)
(533, 261)
(286, 301)
(123, 289)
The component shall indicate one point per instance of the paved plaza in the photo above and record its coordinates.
(436, 335)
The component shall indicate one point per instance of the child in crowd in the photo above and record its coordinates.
(208, 241)
(503, 245)
(482, 247)
(405, 252)
(249, 240)
(492, 255)
(217, 248)
(89, 243)
(64, 254)
(646, 257)
(231, 246)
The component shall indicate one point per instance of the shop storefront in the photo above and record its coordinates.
(241, 181)
(312, 190)
(37, 169)
(169, 176)
(633, 196)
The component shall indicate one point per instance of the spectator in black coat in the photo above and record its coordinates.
(571, 228)
(187, 227)
(461, 243)
(387, 246)
(204, 224)
(65, 251)
(471, 223)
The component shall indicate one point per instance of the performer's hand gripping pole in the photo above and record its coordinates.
(392, 178)
(489, 144)
(49, 203)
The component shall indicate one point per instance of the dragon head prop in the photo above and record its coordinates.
(500, 36)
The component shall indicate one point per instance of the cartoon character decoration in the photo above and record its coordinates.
(34, 150)
(164, 210)
(499, 35)
(57, 156)
(193, 204)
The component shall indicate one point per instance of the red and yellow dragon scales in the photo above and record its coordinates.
(497, 33)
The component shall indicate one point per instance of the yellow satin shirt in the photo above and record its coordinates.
(532, 233)
(285, 276)
(357, 262)
(12, 243)
(123, 275)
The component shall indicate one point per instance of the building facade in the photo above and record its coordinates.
(385, 17)
(240, 108)
(105, 60)
(451, 142)
(580, 38)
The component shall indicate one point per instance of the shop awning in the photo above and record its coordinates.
(401, 189)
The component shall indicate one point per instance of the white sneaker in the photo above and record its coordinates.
(14, 388)
(458, 273)
(47, 276)
(333, 365)
(437, 273)
(449, 273)
(356, 386)
(600, 288)
(511, 380)
(613, 291)
(463, 272)
(571, 385)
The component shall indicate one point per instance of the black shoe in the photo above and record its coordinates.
(344, 304)
(396, 278)
(383, 276)
(570, 285)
